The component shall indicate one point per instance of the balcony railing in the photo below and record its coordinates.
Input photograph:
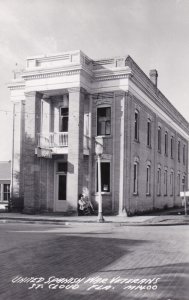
(53, 140)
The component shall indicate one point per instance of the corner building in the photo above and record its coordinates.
(62, 103)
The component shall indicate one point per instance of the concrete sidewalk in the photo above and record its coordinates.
(58, 219)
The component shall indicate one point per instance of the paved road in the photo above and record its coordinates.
(93, 261)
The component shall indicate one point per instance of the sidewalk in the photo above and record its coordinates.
(163, 219)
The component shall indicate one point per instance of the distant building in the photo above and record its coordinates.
(62, 102)
(5, 180)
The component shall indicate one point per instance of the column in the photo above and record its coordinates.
(31, 162)
(121, 98)
(75, 147)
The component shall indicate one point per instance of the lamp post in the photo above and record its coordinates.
(99, 152)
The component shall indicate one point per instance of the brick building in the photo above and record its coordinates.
(5, 180)
(62, 102)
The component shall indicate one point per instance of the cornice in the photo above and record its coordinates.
(16, 86)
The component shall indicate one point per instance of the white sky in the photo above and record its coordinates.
(155, 33)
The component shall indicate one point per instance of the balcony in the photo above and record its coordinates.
(56, 142)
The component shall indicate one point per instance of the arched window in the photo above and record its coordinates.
(159, 181)
(149, 133)
(166, 143)
(178, 151)
(172, 147)
(136, 133)
(148, 176)
(171, 183)
(159, 138)
(135, 178)
(165, 182)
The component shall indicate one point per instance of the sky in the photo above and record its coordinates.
(155, 33)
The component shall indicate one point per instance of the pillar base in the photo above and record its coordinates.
(100, 218)
(123, 213)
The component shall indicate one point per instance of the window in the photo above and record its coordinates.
(166, 143)
(184, 158)
(165, 182)
(159, 181)
(172, 146)
(62, 167)
(105, 177)
(149, 133)
(178, 151)
(171, 183)
(183, 184)
(64, 119)
(6, 192)
(136, 125)
(178, 184)
(148, 180)
(103, 120)
(135, 179)
(159, 139)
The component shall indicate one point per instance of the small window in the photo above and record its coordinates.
(159, 181)
(172, 147)
(135, 178)
(165, 182)
(149, 133)
(136, 125)
(105, 177)
(6, 192)
(178, 151)
(159, 139)
(103, 120)
(148, 180)
(166, 143)
(63, 119)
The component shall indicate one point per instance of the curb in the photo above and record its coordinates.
(69, 222)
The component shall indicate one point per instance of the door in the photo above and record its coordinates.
(60, 186)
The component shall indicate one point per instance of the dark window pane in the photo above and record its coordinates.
(104, 121)
(62, 167)
(62, 187)
(105, 177)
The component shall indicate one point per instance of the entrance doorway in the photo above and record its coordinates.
(60, 186)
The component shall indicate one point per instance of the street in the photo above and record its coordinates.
(93, 261)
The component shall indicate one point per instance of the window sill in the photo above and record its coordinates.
(105, 136)
(149, 147)
(148, 195)
(136, 141)
(102, 193)
(135, 194)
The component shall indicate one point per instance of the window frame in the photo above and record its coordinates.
(172, 147)
(159, 181)
(135, 178)
(149, 131)
(136, 125)
(172, 183)
(148, 181)
(97, 128)
(96, 177)
(159, 138)
(165, 182)
(166, 143)
(178, 151)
